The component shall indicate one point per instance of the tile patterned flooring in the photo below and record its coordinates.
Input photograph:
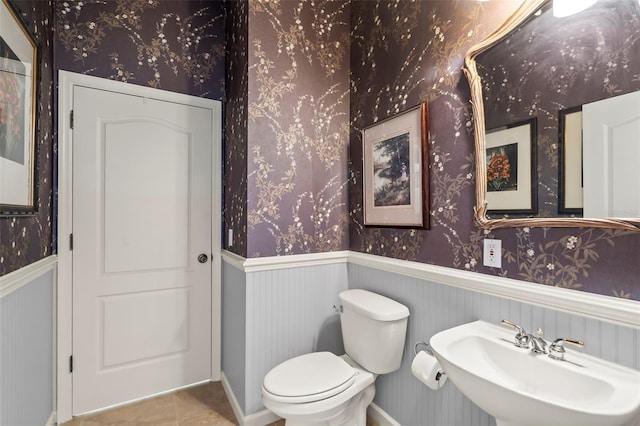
(205, 404)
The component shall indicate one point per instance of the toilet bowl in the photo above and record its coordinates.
(319, 389)
(322, 388)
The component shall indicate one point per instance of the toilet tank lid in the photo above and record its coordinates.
(373, 305)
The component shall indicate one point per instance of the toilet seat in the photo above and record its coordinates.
(307, 378)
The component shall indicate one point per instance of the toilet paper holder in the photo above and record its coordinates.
(425, 347)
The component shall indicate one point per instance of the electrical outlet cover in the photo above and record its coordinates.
(492, 253)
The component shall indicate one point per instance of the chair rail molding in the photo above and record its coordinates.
(605, 308)
(596, 306)
(259, 264)
(18, 278)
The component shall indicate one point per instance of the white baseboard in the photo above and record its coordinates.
(265, 417)
(51, 421)
(260, 418)
(381, 416)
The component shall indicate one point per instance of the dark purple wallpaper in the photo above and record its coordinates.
(235, 134)
(174, 45)
(24, 240)
(169, 44)
(293, 115)
(298, 127)
(405, 52)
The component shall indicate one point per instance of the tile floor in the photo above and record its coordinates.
(205, 404)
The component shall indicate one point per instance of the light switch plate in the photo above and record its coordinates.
(492, 253)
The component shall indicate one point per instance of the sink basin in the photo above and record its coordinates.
(520, 388)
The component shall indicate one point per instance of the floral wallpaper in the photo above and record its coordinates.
(236, 122)
(167, 44)
(303, 79)
(24, 240)
(404, 52)
(170, 44)
(553, 64)
(298, 127)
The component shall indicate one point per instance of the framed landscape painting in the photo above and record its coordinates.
(395, 172)
(18, 100)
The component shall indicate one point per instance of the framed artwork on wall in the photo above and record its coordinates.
(18, 103)
(570, 161)
(395, 171)
(510, 156)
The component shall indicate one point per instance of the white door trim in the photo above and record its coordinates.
(66, 83)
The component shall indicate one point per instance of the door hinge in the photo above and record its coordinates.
(71, 364)
(70, 241)
(71, 120)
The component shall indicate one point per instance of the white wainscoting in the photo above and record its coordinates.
(604, 308)
(27, 342)
(287, 296)
(435, 306)
(23, 276)
(288, 311)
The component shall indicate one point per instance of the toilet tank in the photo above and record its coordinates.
(374, 328)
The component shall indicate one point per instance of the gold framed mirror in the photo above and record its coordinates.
(545, 198)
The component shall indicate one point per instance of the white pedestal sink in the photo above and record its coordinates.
(520, 388)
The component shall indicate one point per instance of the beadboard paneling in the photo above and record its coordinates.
(26, 352)
(435, 307)
(271, 314)
(234, 329)
(289, 313)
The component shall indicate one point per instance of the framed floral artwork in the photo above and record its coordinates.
(570, 199)
(511, 169)
(395, 172)
(18, 101)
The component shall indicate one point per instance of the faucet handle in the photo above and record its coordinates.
(522, 339)
(513, 325)
(556, 350)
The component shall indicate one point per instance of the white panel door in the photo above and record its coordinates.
(141, 218)
(611, 134)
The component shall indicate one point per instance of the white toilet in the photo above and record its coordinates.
(324, 389)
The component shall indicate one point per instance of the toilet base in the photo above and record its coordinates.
(352, 413)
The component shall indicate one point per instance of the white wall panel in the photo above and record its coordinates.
(26, 351)
(234, 329)
(289, 313)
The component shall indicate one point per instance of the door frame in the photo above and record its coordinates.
(64, 302)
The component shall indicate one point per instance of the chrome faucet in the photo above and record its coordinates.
(556, 350)
(538, 344)
(522, 338)
(526, 340)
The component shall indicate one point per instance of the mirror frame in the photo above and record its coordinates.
(524, 12)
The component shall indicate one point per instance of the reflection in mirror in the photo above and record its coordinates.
(553, 70)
